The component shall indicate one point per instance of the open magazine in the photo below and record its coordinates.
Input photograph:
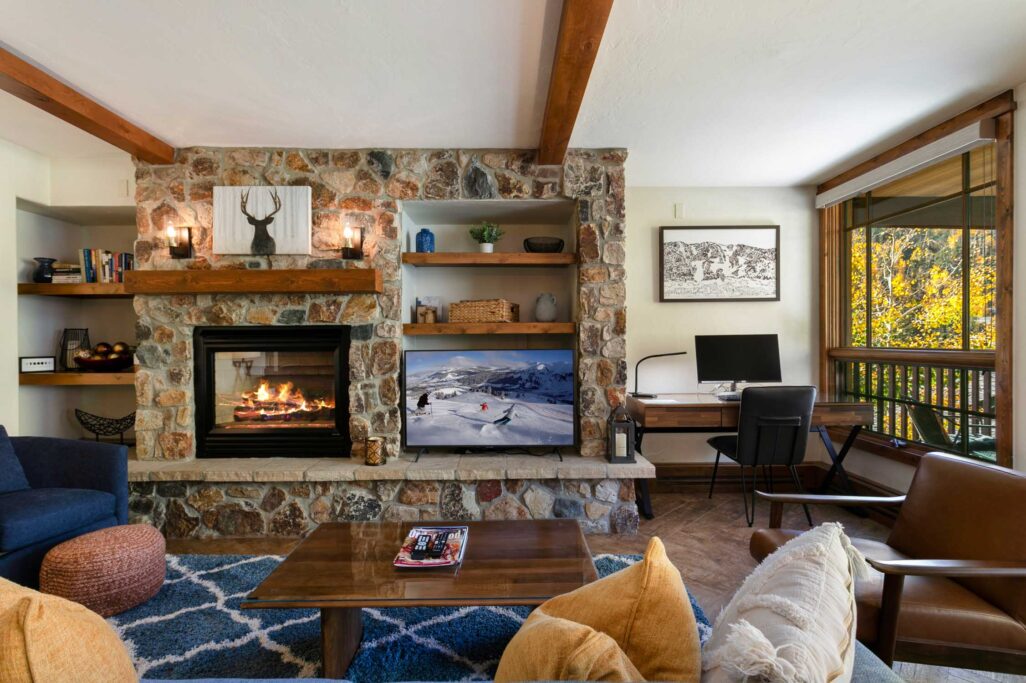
(433, 546)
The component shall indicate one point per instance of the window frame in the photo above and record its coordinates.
(834, 318)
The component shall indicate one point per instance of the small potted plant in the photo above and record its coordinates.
(486, 235)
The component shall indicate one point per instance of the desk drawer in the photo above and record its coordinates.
(699, 417)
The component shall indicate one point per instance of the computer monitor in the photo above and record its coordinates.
(737, 358)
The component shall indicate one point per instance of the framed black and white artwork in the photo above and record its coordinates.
(719, 263)
(261, 221)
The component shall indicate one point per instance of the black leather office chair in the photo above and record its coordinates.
(773, 429)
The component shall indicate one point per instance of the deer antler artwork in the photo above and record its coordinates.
(263, 243)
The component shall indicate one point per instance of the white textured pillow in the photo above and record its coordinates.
(793, 619)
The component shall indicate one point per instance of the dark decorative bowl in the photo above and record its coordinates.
(543, 245)
(105, 364)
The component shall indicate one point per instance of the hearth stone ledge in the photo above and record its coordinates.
(255, 509)
(433, 467)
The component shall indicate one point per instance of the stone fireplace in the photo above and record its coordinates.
(194, 477)
(267, 391)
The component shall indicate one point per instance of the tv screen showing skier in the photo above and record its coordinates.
(489, 398)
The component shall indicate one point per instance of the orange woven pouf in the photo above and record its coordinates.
(108, 571)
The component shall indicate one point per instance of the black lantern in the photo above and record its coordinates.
(621, 437)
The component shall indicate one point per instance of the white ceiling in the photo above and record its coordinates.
(702, 92)
(32, 128)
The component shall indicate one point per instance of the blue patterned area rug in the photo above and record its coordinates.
(194, 628)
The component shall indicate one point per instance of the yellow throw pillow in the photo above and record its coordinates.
(643, 608)
(553, 649)
(46, 638)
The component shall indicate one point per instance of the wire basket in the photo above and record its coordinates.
(105, 426)
(484, 311)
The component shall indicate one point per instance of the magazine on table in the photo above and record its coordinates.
(433, 546)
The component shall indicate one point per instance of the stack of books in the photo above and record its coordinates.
(66, 273)
(100, 265)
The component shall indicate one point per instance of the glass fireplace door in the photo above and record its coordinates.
(274, 390)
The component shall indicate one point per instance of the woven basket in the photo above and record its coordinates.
(484, 311)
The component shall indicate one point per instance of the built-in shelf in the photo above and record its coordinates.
(232, 281)
(454, 258)
(422, 329)
(76, 379)
(92, 290)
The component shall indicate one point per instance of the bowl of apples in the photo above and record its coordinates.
(105, 357)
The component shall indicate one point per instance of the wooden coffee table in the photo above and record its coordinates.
(341, 567)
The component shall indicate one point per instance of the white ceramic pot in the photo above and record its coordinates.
(486, 247)
(545, 308)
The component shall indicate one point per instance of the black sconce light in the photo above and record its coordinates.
(179, 241)
(636, 393)
(352, 242)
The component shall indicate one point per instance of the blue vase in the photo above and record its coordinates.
(44, 271)
(425, 241)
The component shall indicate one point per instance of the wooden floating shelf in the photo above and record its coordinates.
(472, 258)
(76, 379)
(422, 329)
(93, 290)
(237, 281)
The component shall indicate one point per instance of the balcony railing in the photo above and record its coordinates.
(942, 399)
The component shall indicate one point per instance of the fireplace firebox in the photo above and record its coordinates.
(272, 391)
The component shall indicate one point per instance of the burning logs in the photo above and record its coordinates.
(286, 404)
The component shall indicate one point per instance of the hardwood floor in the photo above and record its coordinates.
(707, 539)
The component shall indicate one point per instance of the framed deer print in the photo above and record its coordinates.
(261, 221)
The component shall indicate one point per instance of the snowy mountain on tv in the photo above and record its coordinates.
(490, 398)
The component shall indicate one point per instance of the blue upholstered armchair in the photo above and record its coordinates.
(62, 489)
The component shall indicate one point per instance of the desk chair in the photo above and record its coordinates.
(773, 429)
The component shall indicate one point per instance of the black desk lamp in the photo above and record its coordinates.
(635, 393)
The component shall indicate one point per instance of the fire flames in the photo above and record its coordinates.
(284, 402)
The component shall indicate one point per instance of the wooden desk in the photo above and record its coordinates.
(677, 413)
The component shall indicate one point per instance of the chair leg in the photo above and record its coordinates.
(798, 485)
(716, 468)
(749, 517)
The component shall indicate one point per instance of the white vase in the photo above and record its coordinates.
(545, 308)
(486, 247)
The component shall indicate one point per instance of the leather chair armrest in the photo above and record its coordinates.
(895, 571)
(951, 568)
(777, 501)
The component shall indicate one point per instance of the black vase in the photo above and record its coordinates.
(44, 271)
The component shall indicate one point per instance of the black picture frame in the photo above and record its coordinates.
(702, 294)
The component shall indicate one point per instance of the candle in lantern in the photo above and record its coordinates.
(621, 445)
(347, 234)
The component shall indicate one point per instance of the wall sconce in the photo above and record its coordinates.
(352, 242)
(179, 241)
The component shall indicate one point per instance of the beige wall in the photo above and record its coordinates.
(1019, 284)
(655, 327)
(22, 174)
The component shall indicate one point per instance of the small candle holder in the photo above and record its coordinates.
(374, 451)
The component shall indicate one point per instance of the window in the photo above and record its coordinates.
(921, 258)
(918, 298)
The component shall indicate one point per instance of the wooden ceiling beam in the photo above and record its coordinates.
(581, 26)
(39, 88)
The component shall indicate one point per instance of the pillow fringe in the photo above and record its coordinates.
(748, 654)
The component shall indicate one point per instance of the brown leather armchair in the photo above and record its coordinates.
(948, 587)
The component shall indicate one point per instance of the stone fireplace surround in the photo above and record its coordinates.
(365, 188)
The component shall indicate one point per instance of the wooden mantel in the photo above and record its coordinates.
(233, 281)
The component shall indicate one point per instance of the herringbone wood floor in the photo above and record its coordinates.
(706, 539)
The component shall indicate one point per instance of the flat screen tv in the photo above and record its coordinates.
(489, 399)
